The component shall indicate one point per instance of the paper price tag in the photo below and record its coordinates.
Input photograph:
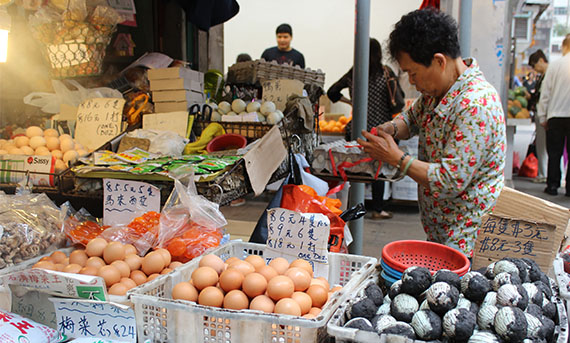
(95, 319)
(294, 235)
(124, 200)
(279, 90)
(98, 121)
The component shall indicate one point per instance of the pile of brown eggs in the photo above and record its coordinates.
(278, 287)
(117, 263)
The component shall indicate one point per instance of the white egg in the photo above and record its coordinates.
(238, 105)
(66, 145)
(52, 143)
(3, 152)
(231, 113)
(280, 113)
(261, 118)
(216, 116)
(267, 107)
(60, 165)
(27, 150)
(15, 151)
(65, 136)
(42, 151)
(253, 106)
(51, 133)
(21, 141)
(82, 152)
(224, 107)
(242, 113)
(33, 131)
(273, 118)
(37, 141)
(57, 154)
(70, 156)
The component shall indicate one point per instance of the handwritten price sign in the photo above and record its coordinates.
(294, 235)
(98, 120)
(279, 90)
(125, 200)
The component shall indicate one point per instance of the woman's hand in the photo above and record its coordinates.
(382, 147)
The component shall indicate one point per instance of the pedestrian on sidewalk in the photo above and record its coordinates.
(539, 63)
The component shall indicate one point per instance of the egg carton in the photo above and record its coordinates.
(336, 329)
(161, 319)
(343, 151)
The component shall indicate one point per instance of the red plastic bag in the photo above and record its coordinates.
(529, 166)
(295, 199)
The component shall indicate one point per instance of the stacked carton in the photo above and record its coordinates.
(176, 89)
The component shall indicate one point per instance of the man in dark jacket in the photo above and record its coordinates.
(283, 52)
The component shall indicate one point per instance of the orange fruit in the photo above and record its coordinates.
(343, 120)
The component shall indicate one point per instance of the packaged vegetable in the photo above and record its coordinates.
(17, 329)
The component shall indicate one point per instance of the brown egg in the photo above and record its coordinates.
(152, 277)
(262, 303)
(280, 265)
(256, 261)
(95, 247)
(134, 261)
(244, 267)
(232, 260)
(88, 270)
(123, 267)
(78, 257)
(152, 263)
(95, 261)
(268, 272)
(309, 316)
(304, 300)
(300, 277)
(130, 249)
(110, 274)
(212, 261)
(72, 268)
(236, 300)
(165, 271)
(165, 255)
(57, 257)
(315, 311)
(318, 294)
(288, 306)
(138, 277)
(65, 261)
(46, 258)
(48, 265)
(254, 284)
(128, 283)
(174, 265)
(59, 267)
(280, 287)
(231, 279)
(336, 288)
(204, 277)
(185, 291)
(321, 281)
(114, 251)
(211, 296)
(118, 289)
(304, 264)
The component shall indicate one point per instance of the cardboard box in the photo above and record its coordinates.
(176, 84)
(178, 95)
(173, 106)
(175, 73)
(521, 225)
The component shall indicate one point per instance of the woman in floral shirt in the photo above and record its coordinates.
(461, 128)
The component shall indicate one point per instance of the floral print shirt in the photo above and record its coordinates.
(463, 139)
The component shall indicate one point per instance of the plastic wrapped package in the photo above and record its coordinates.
(30, 225)
(16, 329)
(161, 142)
(80, 227)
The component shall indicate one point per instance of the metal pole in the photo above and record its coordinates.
(359, 107)
(465, 8)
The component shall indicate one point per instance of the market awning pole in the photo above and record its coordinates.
(465, 9)
(359, 108)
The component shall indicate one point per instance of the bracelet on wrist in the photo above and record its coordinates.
(395, 134)
(412, 158)
(399, 166)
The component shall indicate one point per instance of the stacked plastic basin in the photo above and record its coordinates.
(400, 255)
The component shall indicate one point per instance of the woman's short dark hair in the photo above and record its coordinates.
(243, 58)
(535, 57)
(424, 33)
(375, 56)
(284, 28)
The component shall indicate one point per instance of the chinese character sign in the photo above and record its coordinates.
(125, 200)
(95, 319)
(503, 237)
(98, 121)
(294, 235)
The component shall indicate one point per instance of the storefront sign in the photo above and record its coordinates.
(95, 319)
(501, 237)
(98, 121)
(279, 90)
(294, 235)
(124, 200)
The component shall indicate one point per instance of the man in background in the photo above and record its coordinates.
(283, 53)
(554, 114)
(538, 61)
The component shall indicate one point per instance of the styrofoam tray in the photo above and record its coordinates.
(162, 319)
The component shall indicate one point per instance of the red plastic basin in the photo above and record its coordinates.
(229, 141)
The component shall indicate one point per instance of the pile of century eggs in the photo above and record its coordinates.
(509, 301)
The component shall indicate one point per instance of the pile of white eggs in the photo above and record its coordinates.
(266, 110)
(44, 143)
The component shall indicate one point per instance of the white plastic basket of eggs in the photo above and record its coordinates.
(49, 142)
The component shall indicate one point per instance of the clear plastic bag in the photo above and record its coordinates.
(30, 225)
(162, 142)
(15, 328)
(80, 226)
